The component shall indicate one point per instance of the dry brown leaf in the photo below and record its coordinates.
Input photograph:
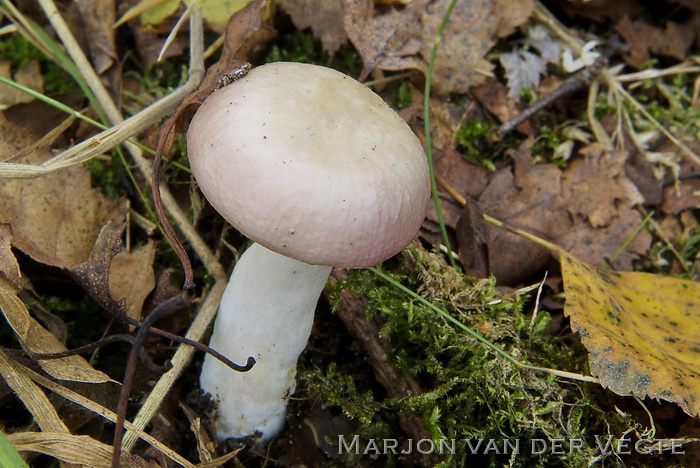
(131, 277)
(493, 95)
(673, 41)
(98, 17)
(9, 268)
(76, 449)
(325, 18)
(600, 198)
(29, 76)
(93, 275)
(388, 38)
(686, 195)
(530, 198)
(642, 331)
(38, 339)
(587, 209)
(31, 396)
(56, 219)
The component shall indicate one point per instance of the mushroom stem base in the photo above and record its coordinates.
(267, 312)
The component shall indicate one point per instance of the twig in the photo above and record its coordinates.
(180, 359)
(166, 307)
(144, 357)
(579, 80)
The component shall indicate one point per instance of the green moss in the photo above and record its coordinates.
(474, 142)
(471, 393)
(108, 175)
(20, 52)
(404, 96)
(547, 143)
(301, 46)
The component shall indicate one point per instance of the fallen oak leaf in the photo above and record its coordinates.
(56, 218)
(642, 331)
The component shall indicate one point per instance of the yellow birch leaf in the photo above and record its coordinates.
(215, 12)
(642, 331)
(156, 11)
(218, 12)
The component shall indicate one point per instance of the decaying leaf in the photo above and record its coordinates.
(131, 277)
(642, 331)
(678, 198)
(389, 38)
(325, 19)
(38, 339)
(93, 275)
(588, 209)
(672, 41)
(523, 70)
(29, 76)
(56, 219)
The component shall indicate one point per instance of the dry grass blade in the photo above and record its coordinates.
(33, 398)
(96, 408)
(74, 449)
(117, 135)
(613, 82)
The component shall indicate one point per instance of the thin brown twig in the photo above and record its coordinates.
(164, 141)
(165, 138)
(132, 340)
(164, 308)
(577, 81)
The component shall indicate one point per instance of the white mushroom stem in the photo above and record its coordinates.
(267, 312)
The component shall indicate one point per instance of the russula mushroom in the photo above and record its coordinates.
(319, 171)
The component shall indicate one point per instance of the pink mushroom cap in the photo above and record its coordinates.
(311, 164)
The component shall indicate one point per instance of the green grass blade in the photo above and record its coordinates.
(9, 457)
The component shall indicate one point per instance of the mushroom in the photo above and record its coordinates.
(320, 172)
